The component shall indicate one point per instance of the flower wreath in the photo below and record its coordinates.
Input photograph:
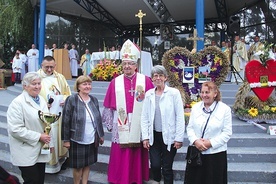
(177, 58)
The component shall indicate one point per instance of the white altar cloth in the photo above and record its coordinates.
(146, 61)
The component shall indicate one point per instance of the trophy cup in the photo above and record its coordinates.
(48, 119)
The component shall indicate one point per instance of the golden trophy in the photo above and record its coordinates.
(48, 119)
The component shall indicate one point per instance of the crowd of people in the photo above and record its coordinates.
(144, 115)
(28, 62)
(241, 53)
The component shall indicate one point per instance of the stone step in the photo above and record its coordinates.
(235, 154)
(237, 172)
(98, 92)
(64, 176)
(52, 178)
(238, 139)
(4, 108)
(230, 101)
(229, 86)
(228, 90)
(238, 125)
(16, 90)
(3, 116)
(252, 140)
(251, 151)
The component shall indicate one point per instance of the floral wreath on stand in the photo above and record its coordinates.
(253, 101)
(176, 59)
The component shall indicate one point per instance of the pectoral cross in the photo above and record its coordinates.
(132, 91)
(195, 39)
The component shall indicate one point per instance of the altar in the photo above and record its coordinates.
(146, 61)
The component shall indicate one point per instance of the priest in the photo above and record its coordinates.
(74, 58)
(255, 48)
(33, 59)
(86, 63)
(122, 115)
(225, 49)
(54, 90)
(239, 57)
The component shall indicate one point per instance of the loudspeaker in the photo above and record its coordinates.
(234, 25)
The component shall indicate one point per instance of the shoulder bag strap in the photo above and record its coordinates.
(88, 110)
(208, 120)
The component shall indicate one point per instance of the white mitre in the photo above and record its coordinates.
(130, 52)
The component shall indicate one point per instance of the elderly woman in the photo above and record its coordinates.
(162, 125)
(209, 130)
(82, 129)
(26, 131)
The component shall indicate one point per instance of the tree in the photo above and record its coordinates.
(269, 11)
(16, 22)
(259, 20)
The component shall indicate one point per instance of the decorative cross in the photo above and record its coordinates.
(127, 48)
(195, 39)
(132, 91)
(140, 15)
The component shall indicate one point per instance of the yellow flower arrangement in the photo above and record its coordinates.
(273, 109)
(106, 71)
(249, 107)
(253, 111)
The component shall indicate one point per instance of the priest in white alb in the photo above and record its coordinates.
(74, 57)
(86, 63)
(239, 58)
(54, 90)
(47, 51)
(122, 115)
(33, 55)
(255, 48)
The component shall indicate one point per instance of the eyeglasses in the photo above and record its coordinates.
(49, 67)
(129, 64)
(158, 76)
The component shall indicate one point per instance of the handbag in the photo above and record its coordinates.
(193, 156)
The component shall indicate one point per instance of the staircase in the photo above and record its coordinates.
(251, 151)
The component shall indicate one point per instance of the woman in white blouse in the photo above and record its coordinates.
(162, 125)
(213, 145)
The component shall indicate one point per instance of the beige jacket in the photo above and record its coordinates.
(24, 129)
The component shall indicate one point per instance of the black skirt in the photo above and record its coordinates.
(81, 155)
(212, 171)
